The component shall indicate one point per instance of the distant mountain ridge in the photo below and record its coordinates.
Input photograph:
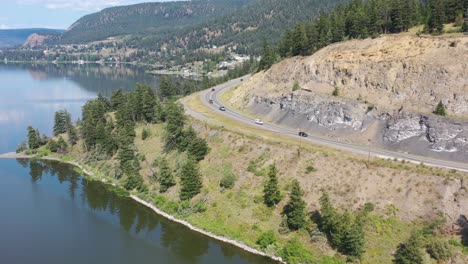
(15, 37)
(198, 23)
(147, 18)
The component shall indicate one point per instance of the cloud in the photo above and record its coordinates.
(3, 26)
(81, 5)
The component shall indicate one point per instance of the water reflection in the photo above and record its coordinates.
(136, 219)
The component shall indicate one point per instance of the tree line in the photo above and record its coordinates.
(366, 18)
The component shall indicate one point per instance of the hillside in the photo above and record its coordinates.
(387, 89)
(147, 18)
(195, 24)
(15, 37)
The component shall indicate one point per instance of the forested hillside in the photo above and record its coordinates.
(147, 18)
(195, 24)
(361, 19)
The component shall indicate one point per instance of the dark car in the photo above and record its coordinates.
(242, 80)
(222, 108)
(211, 101)
(303, 134)
(213, 90)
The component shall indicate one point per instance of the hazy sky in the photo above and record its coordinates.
(58, 14)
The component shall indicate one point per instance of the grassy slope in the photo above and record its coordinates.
(239, 213)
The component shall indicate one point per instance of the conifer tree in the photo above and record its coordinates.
(299, 41)
(166, 178)
(117, 98)
(174, 130)
(33, 138)
(271, 193)
(440, 109)
(295, 209)
(410, 252)
(62, 122)
(190, 180)
(72, 135)
(268, 57)
(166, 88)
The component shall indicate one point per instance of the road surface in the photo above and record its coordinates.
(215, 93)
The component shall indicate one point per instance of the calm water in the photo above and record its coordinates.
(51, 214)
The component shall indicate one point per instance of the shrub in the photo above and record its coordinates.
(146, 133)
(296, 86)
(21, 147)
(295, 252)
(439, 249)
(266, 239)
(228, 181)
(310, 169)
(336, 91)
(410, 251)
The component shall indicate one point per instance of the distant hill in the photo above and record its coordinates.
(15, 37)
(198, 23)
(147, 18)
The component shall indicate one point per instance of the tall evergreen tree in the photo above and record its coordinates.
(295, 209)
(191, 182)
(271, 192)
(117, 98)
(166, 178)
(174, 130)
(299, 41)
(62, 122)
(34, 138)
(268, 57)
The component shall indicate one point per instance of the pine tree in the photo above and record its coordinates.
(117, 98)
(72, 135)
(62, 122)
(271, 193)
(166, 179)
(295, 209)
(174, 130)
(134, 182)
(268, 58)
(410, 252)
(440, 109)
(299, 41)
(190, 180)
(166, 89)
(33, 138)
(436, 17)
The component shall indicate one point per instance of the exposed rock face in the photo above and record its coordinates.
(35, 40)
(389, 85)
(390, 71)
(417, 133)
(313, 112)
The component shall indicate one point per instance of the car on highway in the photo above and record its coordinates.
(303, 134)
(213, 89)
(210, 101)
(258, 122)
(242, 80)
(222, 108)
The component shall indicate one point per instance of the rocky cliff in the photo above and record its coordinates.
(387, 86)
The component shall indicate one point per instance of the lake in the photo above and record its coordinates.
(50, 213)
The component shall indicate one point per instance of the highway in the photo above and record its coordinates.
(236, 115)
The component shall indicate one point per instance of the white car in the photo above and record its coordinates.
(258, 122)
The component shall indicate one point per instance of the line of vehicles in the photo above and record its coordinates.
(256, 121)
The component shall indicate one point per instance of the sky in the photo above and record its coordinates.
(57, 14)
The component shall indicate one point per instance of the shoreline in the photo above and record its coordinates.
(13, 155)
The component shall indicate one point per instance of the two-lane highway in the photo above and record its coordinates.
(213, 95)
